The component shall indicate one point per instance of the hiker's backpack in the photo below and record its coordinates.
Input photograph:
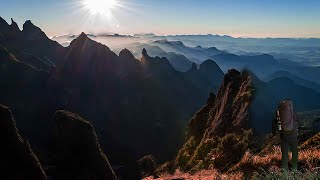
(286, 116)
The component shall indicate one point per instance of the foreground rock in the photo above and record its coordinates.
(78, 152)
(16, 155)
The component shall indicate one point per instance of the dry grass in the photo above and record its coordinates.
(308, 159)
(203, 175)
(266, 165)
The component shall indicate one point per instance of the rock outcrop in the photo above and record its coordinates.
(19, 161)
(218, 135)
(78, 152)
(147, 165)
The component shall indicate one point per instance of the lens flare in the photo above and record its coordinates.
(102, 7)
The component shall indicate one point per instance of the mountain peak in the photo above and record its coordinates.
(81, 39)
(213, 48)
(125, 53)
(144, 52)
(28, 24)
(14, 25)
(180, 43)
(193, 68)
(33, 32)
(209, 65)
(83, 35)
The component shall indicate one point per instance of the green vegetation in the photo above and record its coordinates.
(284, 175)
(216, 152)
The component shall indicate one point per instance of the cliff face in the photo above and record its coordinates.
(78, 152)
(16, 155)
(230, 112)
(218, 134)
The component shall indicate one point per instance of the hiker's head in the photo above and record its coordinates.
(285, 102)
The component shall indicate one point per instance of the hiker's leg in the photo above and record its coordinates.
(284, 152)
(294, 150)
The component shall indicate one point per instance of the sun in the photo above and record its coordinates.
(103, 7)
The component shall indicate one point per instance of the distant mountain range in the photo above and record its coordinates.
(304, 50)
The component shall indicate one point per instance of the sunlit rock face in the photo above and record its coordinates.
(218, 134)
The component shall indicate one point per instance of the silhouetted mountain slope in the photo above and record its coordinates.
(123, 97)
(178, 61)
(268, 94)
(30, 45)
(265, 66)
(78, 152)
(261, 65)
(136, 49)
(86, 59)
(295, 79)
(115, 91)
(208, 72)
(311, 73)
(23, 88)
(19, 160)
(190, 52)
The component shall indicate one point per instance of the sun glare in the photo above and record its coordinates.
(100, 6)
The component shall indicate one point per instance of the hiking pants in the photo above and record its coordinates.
(289, 142)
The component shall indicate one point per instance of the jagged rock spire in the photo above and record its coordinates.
(33, 32)
(125, 53)
(193, 68)
(144, 52)
(14, 24)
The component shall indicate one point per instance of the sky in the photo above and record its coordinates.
(238, 18)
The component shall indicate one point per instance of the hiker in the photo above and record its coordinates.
(286, 122)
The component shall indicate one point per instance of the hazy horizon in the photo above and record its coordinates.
(249, 18)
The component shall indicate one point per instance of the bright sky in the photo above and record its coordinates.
(253, 18)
